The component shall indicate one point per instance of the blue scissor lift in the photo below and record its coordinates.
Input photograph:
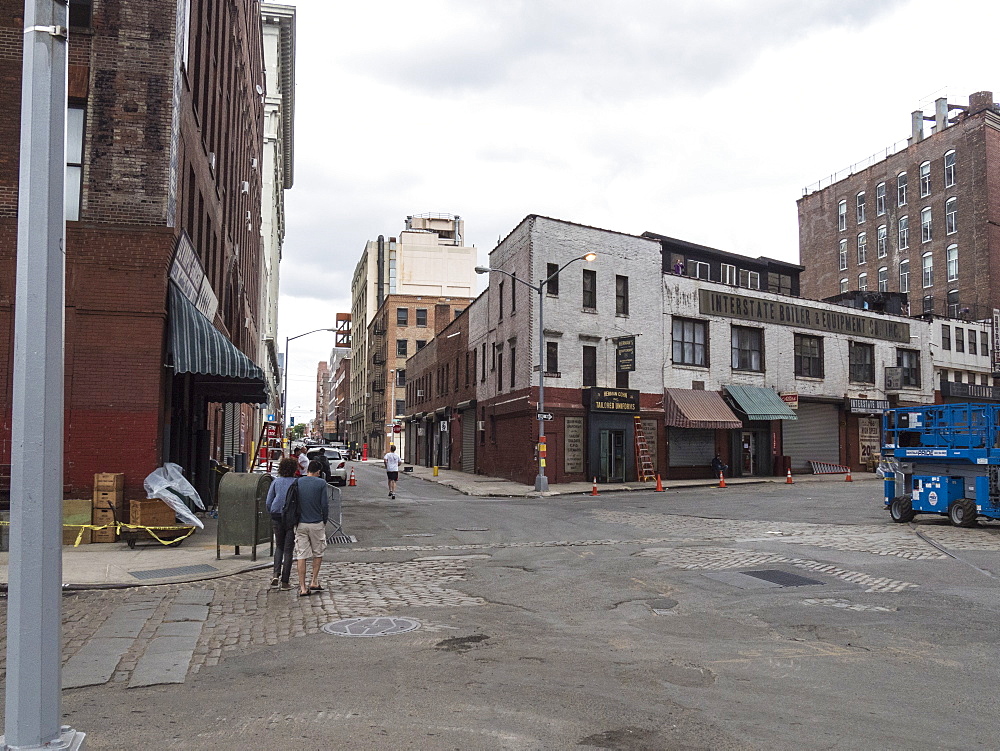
(946, 461)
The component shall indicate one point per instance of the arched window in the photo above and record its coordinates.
(951, 255)
(863, 248)
(842, 216)
(863, 282)
(904, 276)
(925, 179)
(881, 242)
(904, 232)
(901, 181)
(951, 216)
(925, 225)
(861, 207)
(883, 279)
(927, 270)
(843, 284)
(843, 255)
(949, 168)
(880, 199)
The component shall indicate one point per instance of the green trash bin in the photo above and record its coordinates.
(243, 517)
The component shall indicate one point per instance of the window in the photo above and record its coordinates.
(901, 189)
(909, 361)
(513, 360)
(808, 356)
(401, 347)
(959, 339)
(79, 12)
(779, 283)
(401, 377)
(621, 379)
(843, 255)
(953, 303)
(590, 289)
(728, 274)
(861, 207)
(984, 344)
(863, 282)
(863, 248)
(400, 407)
(951, 216)
(499, 370)
(925, 179)
(74, 160)
(843, 285)
(949, 169)
(747, 348)
(880, 199)
(925, 225)
(690, 342)
(880, 242)
(927, 268)
(500, 300)
(945, 336)
(749, 279)
(589, 366)
(862, 362)
(551, 273)
(904, 276)
(482, 359)
(402, 316)
(883, 279)
(972, 342)
(621, 295)
(421, 343)
(551, 357)
(951, 255)
(842, 216)
(928, 304)
(904, 232)
(421, 316)
(513, 294)
(700, 270)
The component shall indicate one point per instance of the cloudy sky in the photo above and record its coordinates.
(699, 119)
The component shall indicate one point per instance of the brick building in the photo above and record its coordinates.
(923, 218)
(164, 264)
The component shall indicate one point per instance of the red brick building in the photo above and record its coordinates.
(163, 221)
(924, 220)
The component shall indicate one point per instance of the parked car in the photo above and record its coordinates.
(338, 462)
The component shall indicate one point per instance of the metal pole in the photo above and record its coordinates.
(34, 614)
(284, 395)
(541, 482)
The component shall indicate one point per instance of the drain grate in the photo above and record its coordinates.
(782, 578)
(157, 573)
(341, 539)
(371, 626)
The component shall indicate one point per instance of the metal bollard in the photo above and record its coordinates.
(435, 471)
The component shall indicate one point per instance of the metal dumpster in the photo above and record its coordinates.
(243, 517)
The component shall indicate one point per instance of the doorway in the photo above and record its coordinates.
(612, 456)
(748, 453)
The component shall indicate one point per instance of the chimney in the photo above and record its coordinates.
(917, 124)
(981, 100)
(940, 114)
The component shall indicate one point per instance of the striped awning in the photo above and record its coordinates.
(199, 348)
(760, 403)
(685, 408)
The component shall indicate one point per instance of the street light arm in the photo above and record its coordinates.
(485, 270)
(585, 257)
(314, 331)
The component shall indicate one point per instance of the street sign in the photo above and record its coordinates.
(397, 428)
(544, 415)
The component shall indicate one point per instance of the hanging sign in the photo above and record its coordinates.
(625, 354)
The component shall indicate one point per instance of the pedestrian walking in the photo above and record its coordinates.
(284, 537)
(392, 462)
(303, 459)
(310, 533)
(323, 459)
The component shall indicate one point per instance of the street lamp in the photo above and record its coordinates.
(541, 481)
(284, 390)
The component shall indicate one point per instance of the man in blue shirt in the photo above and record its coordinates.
(310, 534)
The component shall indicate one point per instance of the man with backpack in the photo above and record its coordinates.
(308, 507)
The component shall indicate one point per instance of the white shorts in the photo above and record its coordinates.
(310, 540)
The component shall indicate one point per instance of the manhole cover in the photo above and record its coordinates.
(782, 578)
(371, 626)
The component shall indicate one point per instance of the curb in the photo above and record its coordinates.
(152, 582)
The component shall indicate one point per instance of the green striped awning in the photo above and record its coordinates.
(199, 348)
(760, 403)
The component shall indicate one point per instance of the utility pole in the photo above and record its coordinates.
(34, 614)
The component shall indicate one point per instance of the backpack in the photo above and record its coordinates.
(292, 511)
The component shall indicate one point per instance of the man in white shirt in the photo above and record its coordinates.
(392, 462)
(303, 459)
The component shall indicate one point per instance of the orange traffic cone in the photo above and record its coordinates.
(659, 485)
(848, 478)
(722, 480)
(788, 478)
(352, 482)
(594, 491)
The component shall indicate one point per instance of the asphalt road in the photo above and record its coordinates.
(623, 621)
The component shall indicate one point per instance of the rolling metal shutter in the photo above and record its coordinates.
(691, 447)
(469, 441)
(815, 435)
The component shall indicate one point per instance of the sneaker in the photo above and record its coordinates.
(274, 582)
(392, 495)
(285, 586)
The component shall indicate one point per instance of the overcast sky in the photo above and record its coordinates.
(698, 119)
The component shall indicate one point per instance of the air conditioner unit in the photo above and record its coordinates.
(211, 159)
(420, 392)
(481, 425)
(245, 186)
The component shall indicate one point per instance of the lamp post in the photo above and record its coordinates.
(284, 389)
(541, 481)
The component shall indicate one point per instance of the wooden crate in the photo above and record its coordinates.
(76, 511)
(152, 513)
(109, 481)
(108, 499)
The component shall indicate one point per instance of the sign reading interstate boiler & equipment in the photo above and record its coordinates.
(801, 316)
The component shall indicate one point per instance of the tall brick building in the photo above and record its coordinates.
(922, 219)
(163, 255)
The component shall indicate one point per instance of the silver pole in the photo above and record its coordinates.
(541, 482)
(34, 615)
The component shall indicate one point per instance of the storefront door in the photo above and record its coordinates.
(748, 453)
(612, 456)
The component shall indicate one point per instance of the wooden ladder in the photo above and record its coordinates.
(643, 462)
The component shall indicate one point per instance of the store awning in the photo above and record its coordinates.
(221, 371)
(685, 408)
(760, 403)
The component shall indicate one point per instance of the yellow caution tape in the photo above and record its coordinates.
(118, 526)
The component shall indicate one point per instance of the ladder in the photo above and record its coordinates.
(643, 461)
(268, 448)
